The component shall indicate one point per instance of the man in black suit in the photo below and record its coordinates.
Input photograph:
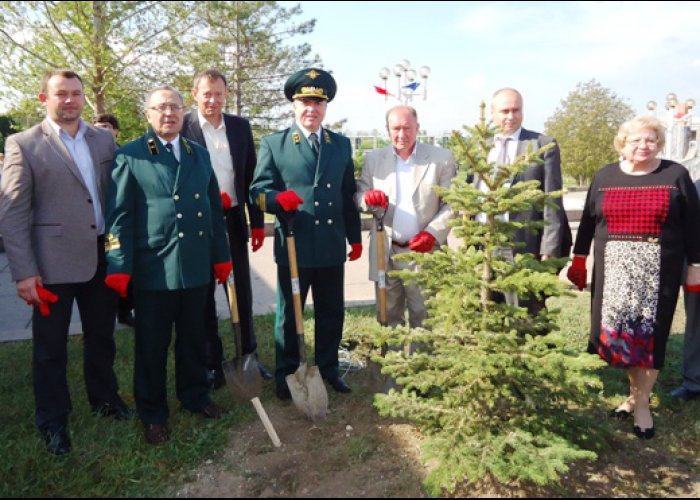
(555, 239)
(230, 143)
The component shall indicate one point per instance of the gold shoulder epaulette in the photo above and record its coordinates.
(262, 202)
(188, 148)
(152, 146)
(295, 136)
(327, 136)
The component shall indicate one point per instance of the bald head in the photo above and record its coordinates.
(507, 110)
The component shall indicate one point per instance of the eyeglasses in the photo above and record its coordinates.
(162, 108)
(638, 142)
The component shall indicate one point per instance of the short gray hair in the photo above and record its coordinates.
(150, 93)
(400, 106)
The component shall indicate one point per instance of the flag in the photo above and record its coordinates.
(381, 90)
(413, 86)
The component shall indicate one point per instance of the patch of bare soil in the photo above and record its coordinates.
(356, 453)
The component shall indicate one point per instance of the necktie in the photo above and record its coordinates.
(502, 158)
(313, 139)
(169, 147)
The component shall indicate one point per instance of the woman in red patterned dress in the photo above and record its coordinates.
(642, 213)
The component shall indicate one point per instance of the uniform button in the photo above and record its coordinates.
(176, 197)
(318, 222)
(90, 201)
(181, 235)
(330, 221)
(316, 204)
(201, 233)
(328, 185)
(179, 216)
(196, 196)
(93, 226)
(330, 203)
(199, 214)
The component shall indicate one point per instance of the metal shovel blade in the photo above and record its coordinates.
(308, 392)
(243, 379)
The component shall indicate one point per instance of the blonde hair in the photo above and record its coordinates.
(642, 122)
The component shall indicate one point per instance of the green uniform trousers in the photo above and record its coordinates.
(327, 290)
(156, 312)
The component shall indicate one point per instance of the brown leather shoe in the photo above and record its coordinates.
(212, 410)
(156, 433)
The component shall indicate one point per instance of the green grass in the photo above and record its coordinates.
(111, 459)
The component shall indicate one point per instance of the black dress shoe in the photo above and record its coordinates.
(282, 392)
(216, 378)
(57, 441)
(643, 433)
(118, 410)
(212, 410)
(156, 433)
(684, 393)
(339, 385)
(264, 372)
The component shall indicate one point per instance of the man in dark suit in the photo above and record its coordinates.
(166, 232)
(513, 140)
(229, 140)
(309, 170)
(52, 198)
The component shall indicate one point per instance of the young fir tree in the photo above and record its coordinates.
(494, 400)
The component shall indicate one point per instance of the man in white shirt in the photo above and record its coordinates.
(229, 140)
(400, 179)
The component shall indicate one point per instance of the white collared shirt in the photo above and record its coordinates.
(511, 154)
(80, 153)
(405, 225)
(220, 153)
(176, 145)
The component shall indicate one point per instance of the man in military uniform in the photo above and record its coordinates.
(309, 170)
(166, 233)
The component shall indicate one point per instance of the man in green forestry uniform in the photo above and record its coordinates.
(166, 232)
(309, 170)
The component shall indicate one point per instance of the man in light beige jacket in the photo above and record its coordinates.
(401, 179)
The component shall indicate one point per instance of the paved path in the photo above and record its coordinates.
(15, 315)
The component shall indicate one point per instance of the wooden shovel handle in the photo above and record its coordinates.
(296, 294)
(381, 281)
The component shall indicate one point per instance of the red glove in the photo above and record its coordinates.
(225, 200)
(577, 272)
(119, 283)
(376, 198)
(289, 200)
(46, 298)
(355, 251)
(222, 270)
(257, 235)
(691, 288)
(422, 242)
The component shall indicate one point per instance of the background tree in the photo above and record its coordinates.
(585, 125)
(7, 127)
(492, 399)
(249, 43)
(120, 49)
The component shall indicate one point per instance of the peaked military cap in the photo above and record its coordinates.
(310, 82)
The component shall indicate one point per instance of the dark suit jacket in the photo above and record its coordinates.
(46, 213)
(555, 240)
(242, 148)
(328, 217)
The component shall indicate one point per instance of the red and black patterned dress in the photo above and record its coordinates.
(644, 228)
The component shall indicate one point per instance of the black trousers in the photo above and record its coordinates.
(158, 311)
(97, 305)
(238, 244)
(326, 285)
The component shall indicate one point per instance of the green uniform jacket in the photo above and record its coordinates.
(328, 216)
(164, 221)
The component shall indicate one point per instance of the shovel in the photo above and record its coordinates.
(381, 266)
(306, 386)
(242, 374)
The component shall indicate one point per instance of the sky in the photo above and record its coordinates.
(641, 51)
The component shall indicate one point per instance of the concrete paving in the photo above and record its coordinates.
(15, 315)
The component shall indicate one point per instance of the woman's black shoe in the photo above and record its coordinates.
(643, 433)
